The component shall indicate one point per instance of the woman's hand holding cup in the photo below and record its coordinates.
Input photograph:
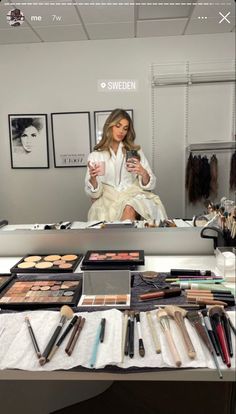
(96, 168)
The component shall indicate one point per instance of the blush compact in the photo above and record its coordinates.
(50, 263)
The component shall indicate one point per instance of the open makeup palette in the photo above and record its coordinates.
(5, 278)
(112, 259)
(34, 293)
(106, 288)
(47, 263)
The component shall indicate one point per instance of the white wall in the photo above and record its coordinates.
(62, 77)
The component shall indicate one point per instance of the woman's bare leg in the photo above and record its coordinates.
(129, 213)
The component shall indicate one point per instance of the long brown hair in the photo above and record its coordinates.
(107, 137)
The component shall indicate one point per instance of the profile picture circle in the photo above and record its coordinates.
(15, 17)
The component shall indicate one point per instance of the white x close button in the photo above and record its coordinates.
(224, 17)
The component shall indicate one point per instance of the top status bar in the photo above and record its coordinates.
(118, 3)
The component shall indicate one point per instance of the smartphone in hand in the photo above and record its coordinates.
(132, 154)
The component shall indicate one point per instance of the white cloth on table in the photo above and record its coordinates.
(17, 352)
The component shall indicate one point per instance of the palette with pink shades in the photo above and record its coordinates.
(112, 259)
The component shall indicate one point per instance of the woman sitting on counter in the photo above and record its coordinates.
(119, 179)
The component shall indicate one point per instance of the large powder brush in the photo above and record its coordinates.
(66, 313)
(178, 315)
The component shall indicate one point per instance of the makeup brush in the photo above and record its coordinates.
(178, 315)
(66, 313)
(197, 321)
(62, 337)
(216, 314)
(140, 338)
(153, 332)
(227, 329)
(230, 323)
(32, 335)
(124, 330)
(165, 325)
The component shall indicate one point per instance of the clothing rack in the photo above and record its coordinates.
(214, 146)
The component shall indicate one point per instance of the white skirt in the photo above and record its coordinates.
(111, 204)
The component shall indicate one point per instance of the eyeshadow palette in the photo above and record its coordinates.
(105, 300)
(50, 263)
(5, 279)
(36, 293)
(112, 259)
(106, 288)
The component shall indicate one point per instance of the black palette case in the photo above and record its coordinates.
(112, 259)
(5, 278)
(67, 266)
(34, 292)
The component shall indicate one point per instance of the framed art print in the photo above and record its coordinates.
(28, 140)
(100, 119)
(71, 138)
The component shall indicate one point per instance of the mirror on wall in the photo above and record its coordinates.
(178, 85)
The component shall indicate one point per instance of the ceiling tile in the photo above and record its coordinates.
(163, 12)
(208, 26)
(17, 35)
(213, 10)
(110, 30)
(149, 28)
(61, 33)
(106, 14)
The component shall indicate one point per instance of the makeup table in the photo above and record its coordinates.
(162, 264)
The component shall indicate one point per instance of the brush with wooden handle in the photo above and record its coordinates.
(165, 325)
(178, 315)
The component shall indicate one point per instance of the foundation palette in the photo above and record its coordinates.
(112, 259)
(108, 288)
(105, 300)
(40, 293)
(52, 263)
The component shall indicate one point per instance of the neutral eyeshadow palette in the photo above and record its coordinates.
(105, 300)
(106, 288)
(112, 259)
(5, 279)
(47, 263)
(36, 293)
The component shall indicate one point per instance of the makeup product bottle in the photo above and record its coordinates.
(189, 272)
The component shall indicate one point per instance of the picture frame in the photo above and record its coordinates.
(99, 121)
(28, 140)
(71, 136)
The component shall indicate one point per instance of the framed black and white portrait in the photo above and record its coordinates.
(100, 119)
(28, 140)
(71, 136)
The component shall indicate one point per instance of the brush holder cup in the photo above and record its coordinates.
(220, 238)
